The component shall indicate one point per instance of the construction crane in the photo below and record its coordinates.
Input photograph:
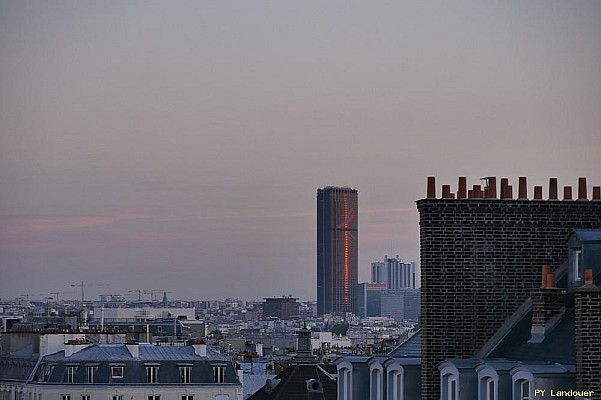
(57, 293)
(26, 295)
(83, 285)
(139, 293)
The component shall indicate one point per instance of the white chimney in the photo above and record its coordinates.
(134, 350)
(200, 349)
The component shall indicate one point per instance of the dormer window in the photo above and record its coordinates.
(70, 373)
(185, 373)
(117, 372)
(395, 384)
(523, 384)
(91, 373)
(450, 389)
(219, 373)
(345, 383)
(152, 373)
(576, 265)
(488, 388)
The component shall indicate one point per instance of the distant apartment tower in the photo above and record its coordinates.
(369, 299)
(400, 304)
(394, 273)
(337, 250)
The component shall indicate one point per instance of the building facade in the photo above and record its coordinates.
(394, 273)
(69, 367)
(484, 252)
(286, 307)
(337, 250)
(400, 304)
(369, 299)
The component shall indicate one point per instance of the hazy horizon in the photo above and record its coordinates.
(179, 145)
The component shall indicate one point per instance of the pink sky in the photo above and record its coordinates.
(183, 142)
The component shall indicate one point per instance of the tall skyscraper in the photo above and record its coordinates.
(337, 250)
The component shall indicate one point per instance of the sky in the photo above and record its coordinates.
(178, 145)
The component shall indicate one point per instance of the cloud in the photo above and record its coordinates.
(44, 224)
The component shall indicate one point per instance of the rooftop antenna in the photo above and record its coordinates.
(485, 180)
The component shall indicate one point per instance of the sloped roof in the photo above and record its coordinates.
(148, 352)
(293, 384)
(410, 348)
(557, 346)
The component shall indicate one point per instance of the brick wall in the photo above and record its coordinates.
(480, 259)
(587, 303)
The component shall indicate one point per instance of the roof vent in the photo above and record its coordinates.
(314, 386)
(270, 384)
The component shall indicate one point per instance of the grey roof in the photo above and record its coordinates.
(148, 352)
(408, 361)
(586, 235)
(557, 346)
(463, 363)
(549, 368)
(293, 384)
(411, 347)
(499, 365)
(168, 359)
(16, 369)
(251, 383)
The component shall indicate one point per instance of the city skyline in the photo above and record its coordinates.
(177, 146)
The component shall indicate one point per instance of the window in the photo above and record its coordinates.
(490, 389)
(522, 390)
(452, 389)
(152, 374)
(218, 373)
(184, 374)
(376, 384)
(395, 385)
(85, 397)
(90, 373)
(116, 372)
(117, 397)
(70, 373)
(344, 383)
(65, 397)
(154, 397)
(576, 264)
(187, 397)
(46, 372)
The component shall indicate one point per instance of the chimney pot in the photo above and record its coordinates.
(567, 193)
(582, 193)
(588, 277)
(504, 184)
(552, 188)
(462, 192)
(492, 188)
(446, 191)
(523, 189)
(596, 192)
(550, 280)
(538, 193)
(546, 271)
(431, 187)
